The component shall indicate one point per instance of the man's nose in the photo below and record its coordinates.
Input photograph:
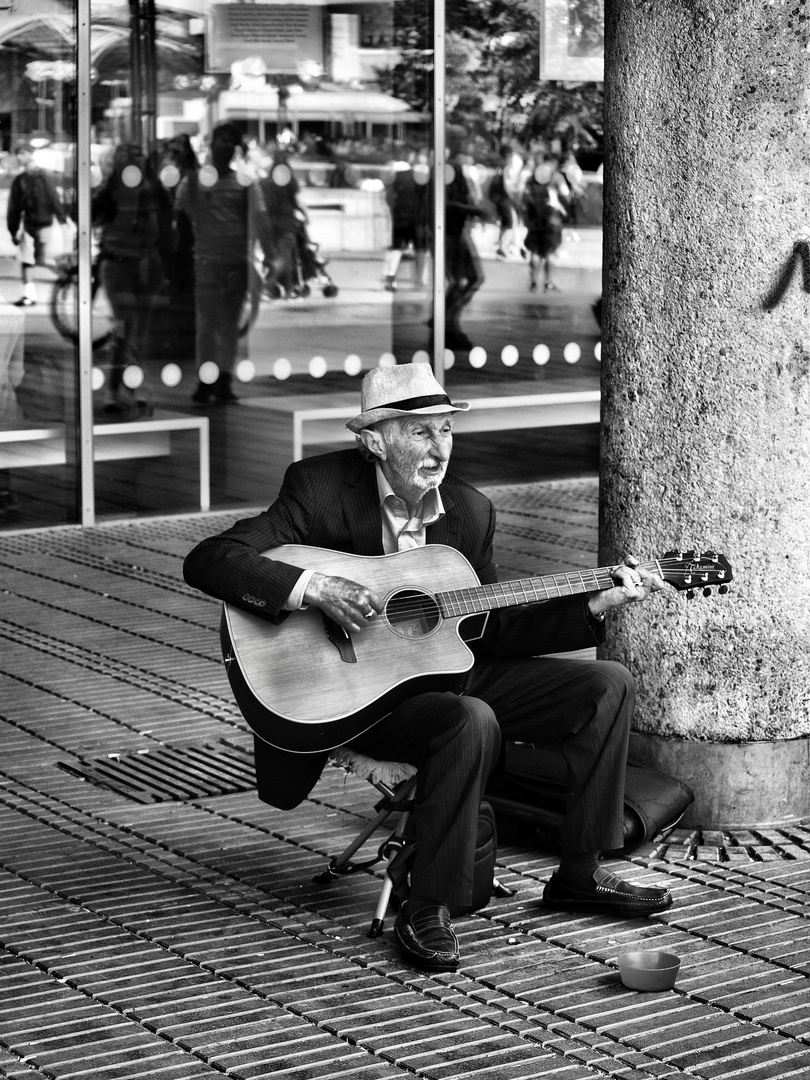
(442, 445)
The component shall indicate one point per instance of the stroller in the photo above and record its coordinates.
(294, 264)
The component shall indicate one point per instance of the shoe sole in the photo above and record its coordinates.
(606, 908)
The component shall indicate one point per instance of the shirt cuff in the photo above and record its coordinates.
(295, 601)
(596, 623)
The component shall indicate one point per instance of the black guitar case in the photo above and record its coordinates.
(529, 791)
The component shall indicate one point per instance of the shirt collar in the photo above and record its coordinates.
(431, 507)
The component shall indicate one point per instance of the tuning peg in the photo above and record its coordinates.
(723, 589)
(707, 591)
(690, 594)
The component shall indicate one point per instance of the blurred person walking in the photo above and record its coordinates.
(544, 213)
(504, 194)
(463, 269)
(180, 159)
(408, 198)
(224, 209)
(134, 212)
(34, 206)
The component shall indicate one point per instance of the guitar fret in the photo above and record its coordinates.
(523, 591)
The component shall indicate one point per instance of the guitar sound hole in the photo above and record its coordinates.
(412, 614)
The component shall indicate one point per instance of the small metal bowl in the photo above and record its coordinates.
(651, 970)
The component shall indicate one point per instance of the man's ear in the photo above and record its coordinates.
(373, 442)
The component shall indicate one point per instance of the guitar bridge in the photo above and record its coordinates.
(341, 640)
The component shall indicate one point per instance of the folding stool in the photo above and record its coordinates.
(396, 782)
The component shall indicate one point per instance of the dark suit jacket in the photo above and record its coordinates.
(331, 501)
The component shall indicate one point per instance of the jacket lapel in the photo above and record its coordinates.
(361, 506)
(448, 529)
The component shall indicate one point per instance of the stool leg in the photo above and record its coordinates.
(394, 845)
(378, 922)
(338, 863)
(395, 800)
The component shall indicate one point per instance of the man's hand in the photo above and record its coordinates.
(633, 584)
(352, 606)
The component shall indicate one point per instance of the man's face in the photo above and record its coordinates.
(417, 450)
(25, 158)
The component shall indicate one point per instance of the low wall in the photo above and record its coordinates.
(761, 783)
(347, 219)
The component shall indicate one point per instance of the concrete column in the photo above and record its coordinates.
(706, 360)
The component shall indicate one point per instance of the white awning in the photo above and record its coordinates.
(317, 105)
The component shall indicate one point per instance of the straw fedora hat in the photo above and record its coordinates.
(403, 390)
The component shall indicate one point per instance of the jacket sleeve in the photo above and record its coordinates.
(230, 566)
(552, 626)
(528, 630)
(55, 200)
(559, 625)
(102, 206)
(14, 209)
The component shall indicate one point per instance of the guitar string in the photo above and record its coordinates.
(485, 597)
(566, 584)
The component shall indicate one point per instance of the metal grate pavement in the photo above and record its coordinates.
(184, 937)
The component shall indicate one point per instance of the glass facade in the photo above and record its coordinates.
(219, 215)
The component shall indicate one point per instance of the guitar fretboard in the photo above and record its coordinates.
(524, 591)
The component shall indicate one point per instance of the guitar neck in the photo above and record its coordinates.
(526, 590)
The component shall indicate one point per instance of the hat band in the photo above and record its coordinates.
(424, 402)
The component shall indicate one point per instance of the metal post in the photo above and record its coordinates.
(149, 52)
(135, 133)
(84, 450)
(439, 156)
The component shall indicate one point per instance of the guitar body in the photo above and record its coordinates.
(307, 686)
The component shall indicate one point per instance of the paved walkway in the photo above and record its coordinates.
(157, 921)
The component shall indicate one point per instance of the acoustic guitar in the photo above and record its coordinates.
(307, 685)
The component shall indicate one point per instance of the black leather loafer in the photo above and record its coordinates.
(609, 895)
(427, 939)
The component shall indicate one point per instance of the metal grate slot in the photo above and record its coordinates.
(179, 773)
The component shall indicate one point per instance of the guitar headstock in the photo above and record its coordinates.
(693, 570)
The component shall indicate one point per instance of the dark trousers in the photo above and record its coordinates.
(465, 274)
(220, 290)
(585, 706)
(131, 286)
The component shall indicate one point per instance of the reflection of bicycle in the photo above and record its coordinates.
(65, 302)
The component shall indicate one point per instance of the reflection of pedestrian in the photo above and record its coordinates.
(221, 208)
(408, 201)
(575, 181)
(504, 196)
(463, 269)
(178, 161)
(33, 206)
(544, 215)
(285, 230)
(134, 212)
